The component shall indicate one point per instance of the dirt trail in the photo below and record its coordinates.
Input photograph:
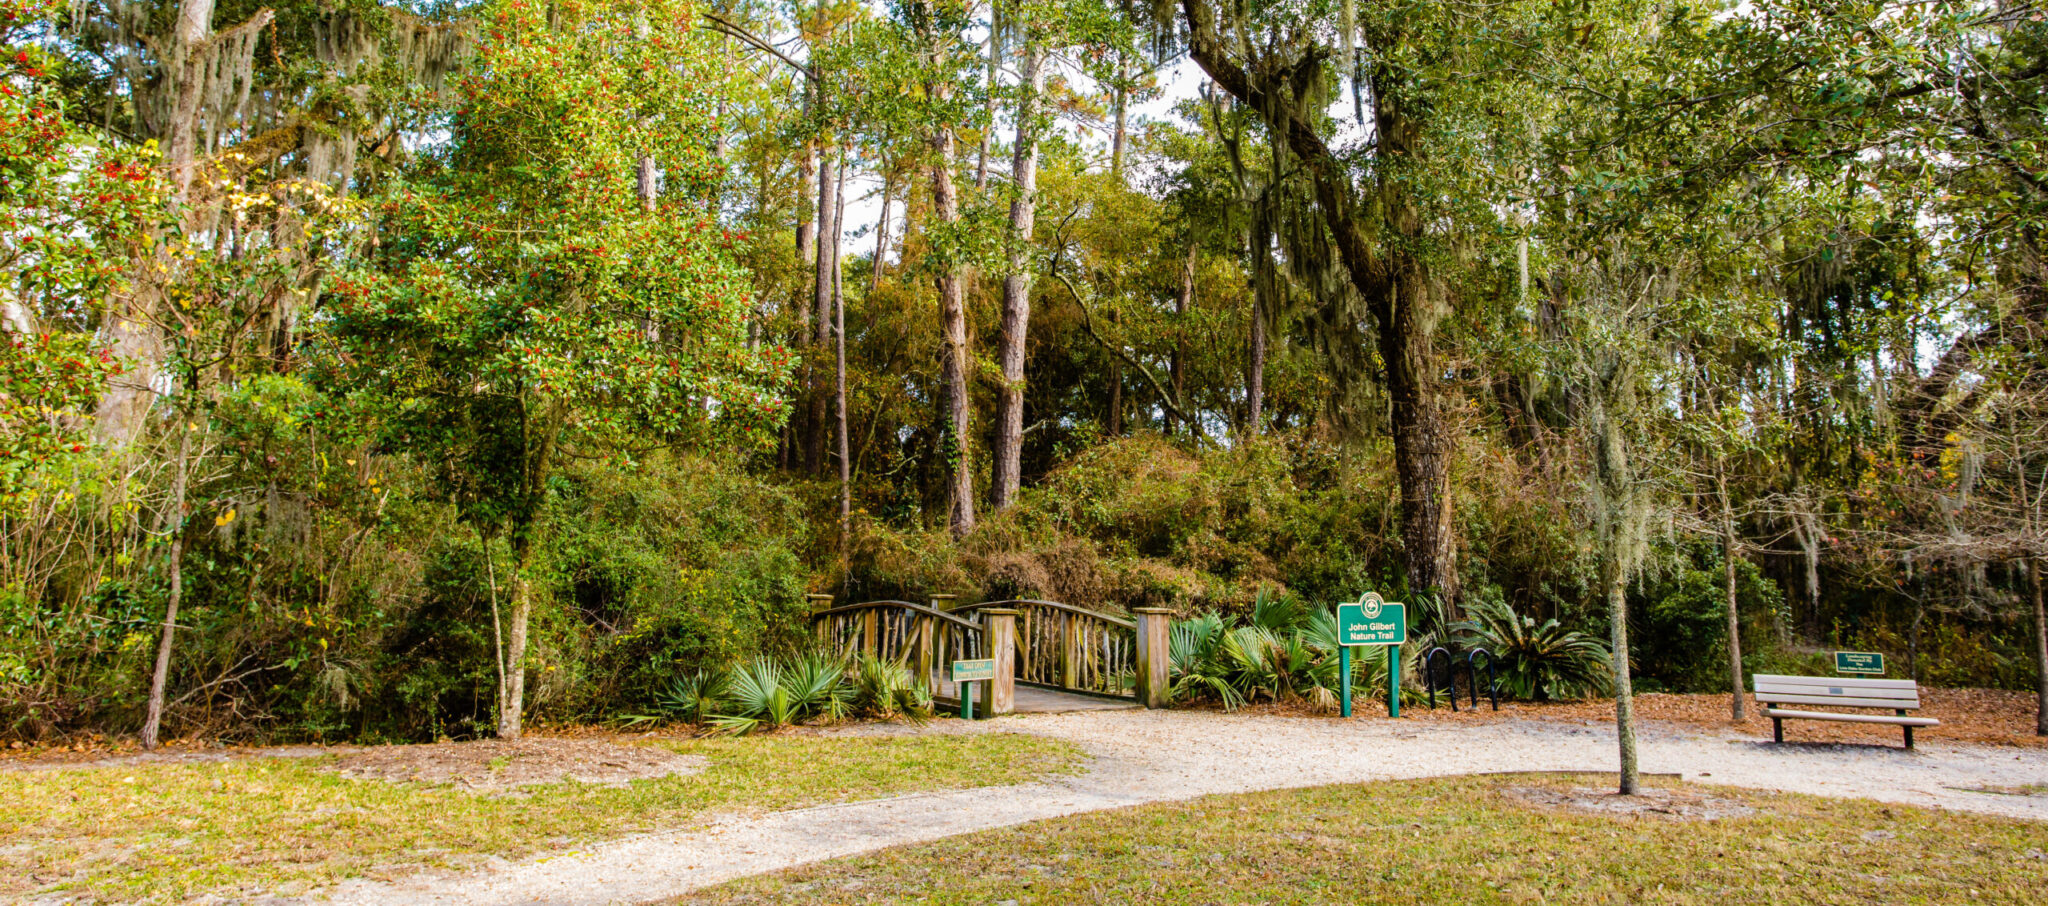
(1142, 757)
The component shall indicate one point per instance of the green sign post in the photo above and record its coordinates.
(965, 675)
(1372, 621)
(1863, 662)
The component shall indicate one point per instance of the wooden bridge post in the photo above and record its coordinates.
(928, 666)
(999, 628)
(1155, 640)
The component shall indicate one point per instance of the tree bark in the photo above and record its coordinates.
(1624, 691)
(181, 137)
(829, 175)
(839, 391)
(2040, 651)
(1115, 379)
(644, 180)
(1181, 302)
(995, 52)
(1009, 439)
(160, 678)
(1265, 287)
(1116, 135)
(953, 327)
(512, 694)
(881, 233)
(1736, 703)
(806, 185)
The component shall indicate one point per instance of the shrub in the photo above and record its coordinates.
(1540, 662)
(766, 695)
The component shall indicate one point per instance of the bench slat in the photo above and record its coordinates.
(1846, 701)
(1865, 681)
(1889, 695)
(1854, 718)
(1838, 690)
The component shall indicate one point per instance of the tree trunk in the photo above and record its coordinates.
(953, 317)
(644, 179)
(796, 447)
(1736, 706)
(1421, 440)
(1255, 383)
(822, 283)
(881, 234)
(1177, 367)
(2040, 651)
(1116, 135)
(160, 678)
(1009, 440)
(181, 137)
(1624, 692)
(512, 694)
(806, 185)
(1115, 379)
(995, 52)
(839, 391)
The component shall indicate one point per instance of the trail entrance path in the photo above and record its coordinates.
(1154, 756)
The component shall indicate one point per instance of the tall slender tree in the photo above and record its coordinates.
(1016, 325)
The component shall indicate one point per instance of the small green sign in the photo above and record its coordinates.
(971, 671)
(1372, 621)
(1867, 662)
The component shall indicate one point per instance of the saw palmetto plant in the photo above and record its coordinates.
(1539, 661)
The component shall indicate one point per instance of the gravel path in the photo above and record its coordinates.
(1157, 756)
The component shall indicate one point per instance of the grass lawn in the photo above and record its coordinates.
(1460, 840)
(259, 825)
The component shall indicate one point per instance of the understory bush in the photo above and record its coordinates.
(765, 693)
(1538, 661)
(327, 595)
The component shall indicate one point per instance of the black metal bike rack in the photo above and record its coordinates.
(1450, 676)
(1492, 678)
(1429, 662)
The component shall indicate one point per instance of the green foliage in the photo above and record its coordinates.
(1538, 661)
(767, 695)
(1287, 652)
(888, 690)
(692, 697)
(525, 305)
(1196, 666)
(1681, 625)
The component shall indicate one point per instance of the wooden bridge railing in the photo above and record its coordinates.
(1066, 647)
(926, 638)
(1042, 643)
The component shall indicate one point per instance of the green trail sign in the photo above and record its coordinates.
(966, 674)
(1864, 662)
(1372, 621)
(971, 671)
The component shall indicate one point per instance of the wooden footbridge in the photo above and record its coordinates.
(1049, 656)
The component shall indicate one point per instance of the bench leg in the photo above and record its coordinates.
(1777, 729)
(1909, 737)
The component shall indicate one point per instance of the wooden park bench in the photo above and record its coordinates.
(1898, 696)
